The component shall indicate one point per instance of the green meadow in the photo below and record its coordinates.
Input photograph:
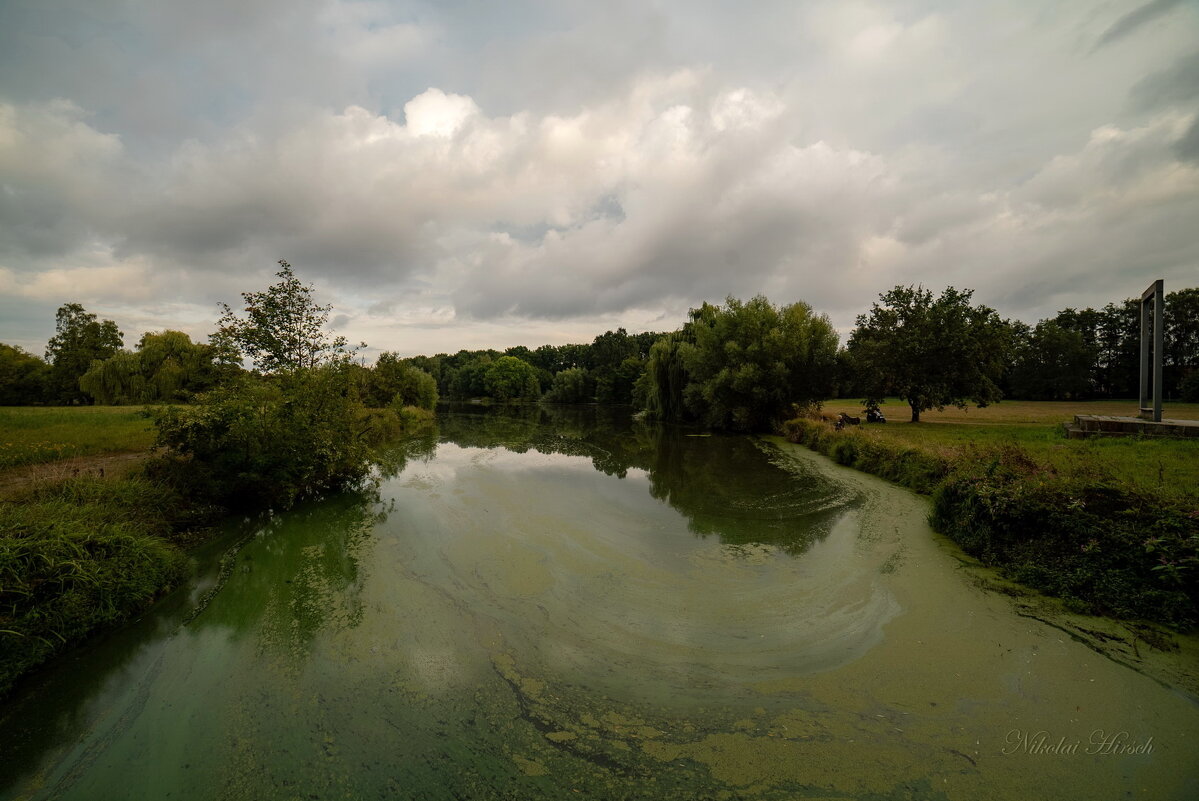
(32, 435)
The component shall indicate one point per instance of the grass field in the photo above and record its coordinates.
(35, 435)
(1170, 466)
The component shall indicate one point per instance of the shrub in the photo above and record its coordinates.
(1102, 546)
(1106, 548)
(270, 441)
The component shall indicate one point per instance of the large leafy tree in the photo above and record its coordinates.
(931, 351)
(394, 380)
(22, 377)
(509, 378)
(283, 328)
(167, 366)
(740, 366)
(79, 339)
(1181, 331)
(752, 361)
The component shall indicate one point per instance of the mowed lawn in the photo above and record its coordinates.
(38, 434)
(1167, 465)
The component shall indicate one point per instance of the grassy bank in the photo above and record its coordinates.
(1110, 526)
(37, 435)
(81, 550)
(83, 553)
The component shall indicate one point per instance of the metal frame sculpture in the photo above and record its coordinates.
(1152, 317)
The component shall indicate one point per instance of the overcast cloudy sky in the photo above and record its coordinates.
(485, 174)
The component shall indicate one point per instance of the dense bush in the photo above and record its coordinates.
(910, 467)
(509, 378)
(270, 441)
(23, 377)
(1102, 546)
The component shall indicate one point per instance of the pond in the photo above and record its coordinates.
(556, 603)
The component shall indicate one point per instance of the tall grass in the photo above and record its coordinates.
(81, 554)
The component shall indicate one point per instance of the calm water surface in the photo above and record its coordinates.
(566, 604)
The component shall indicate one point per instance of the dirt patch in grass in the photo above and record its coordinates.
(111, 466)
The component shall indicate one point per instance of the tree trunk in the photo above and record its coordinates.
(915, 413)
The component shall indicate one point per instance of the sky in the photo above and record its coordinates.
(478, 174)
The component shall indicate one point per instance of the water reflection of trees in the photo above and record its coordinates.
(726, 485)
(300, 574)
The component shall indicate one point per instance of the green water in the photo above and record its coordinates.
(556, 604)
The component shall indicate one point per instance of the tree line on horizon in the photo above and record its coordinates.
(741, 365)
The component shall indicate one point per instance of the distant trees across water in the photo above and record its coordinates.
(741, 365)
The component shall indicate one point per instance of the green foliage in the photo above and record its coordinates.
(510, 379)
(741, 366)
(660, 387)
(570, 386)
(1104, 547)
(271, 441)
(23, 377)
(468, 380)
(930, 352)
(167, 366)
(79, 340)
(115, 380)
(1052, 363)
(80, 555)
(35, 435)
(394, 381)
(284, 327)
(911, 467)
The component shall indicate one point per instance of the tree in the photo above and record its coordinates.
(392, 380)
(167, 366)
(752, 361)
(509, 378)
(570, 386)
(79, 339)
(1052, 363)
(468, 378)
(659, 390)
(740, 366)
(284, 327)
(930, 352)
(23, 377)
(1119, 351)
(256, 441)
(1181, 346)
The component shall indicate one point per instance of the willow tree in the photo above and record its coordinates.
(741, 366)
(752, 361)
(116, 380)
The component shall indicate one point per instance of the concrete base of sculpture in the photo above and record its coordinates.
(1100, 425)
